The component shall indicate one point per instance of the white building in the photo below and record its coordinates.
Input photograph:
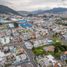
(28, 45)
(5, 40)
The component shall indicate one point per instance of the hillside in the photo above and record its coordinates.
(54, 10)
(7, 10)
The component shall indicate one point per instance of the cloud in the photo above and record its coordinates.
(30, 5)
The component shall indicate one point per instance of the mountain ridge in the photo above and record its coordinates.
(54, 10)
(7, 10)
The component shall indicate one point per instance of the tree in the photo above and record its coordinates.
(16, 24)
(56, 42)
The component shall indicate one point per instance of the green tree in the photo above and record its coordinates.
(16, 25)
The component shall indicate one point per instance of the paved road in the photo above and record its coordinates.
(31, 56)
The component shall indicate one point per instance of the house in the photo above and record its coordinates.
(11, 25)
(33, 35)
(47, 61)
(1, 56)
(2, 34)
(64, 56)
(25, 65)
(57, 30)
(21, 56)
(38, 43)
(28, 45)
(5, 40)
(65, 36)
(49, 48)
(47, 41)
(26, 36)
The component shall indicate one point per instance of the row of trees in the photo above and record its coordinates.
(59, 48)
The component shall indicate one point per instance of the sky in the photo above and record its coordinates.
(31, 5)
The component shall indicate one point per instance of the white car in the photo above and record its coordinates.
(28, 45)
